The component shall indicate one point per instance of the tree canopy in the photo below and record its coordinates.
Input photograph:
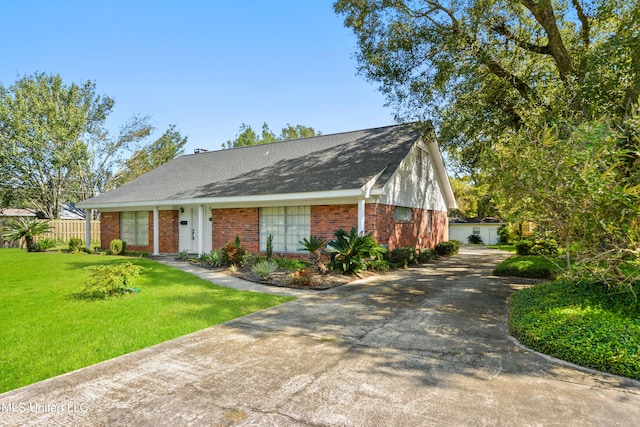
(536, 98)
(247, 136)
(54, 146)
(169, 146)
(480, 68)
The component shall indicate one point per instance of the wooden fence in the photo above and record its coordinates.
(65, 229)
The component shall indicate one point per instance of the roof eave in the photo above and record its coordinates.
(233, 201)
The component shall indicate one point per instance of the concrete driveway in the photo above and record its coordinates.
(423, 346)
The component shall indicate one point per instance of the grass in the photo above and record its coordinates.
(533, 266)
(587, 324)
(46, 330)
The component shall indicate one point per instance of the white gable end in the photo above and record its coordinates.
(415, 184)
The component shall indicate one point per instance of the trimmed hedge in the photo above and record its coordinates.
(448, 248)
(587, 324)
(532, 266)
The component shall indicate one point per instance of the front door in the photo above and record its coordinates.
(189, 230)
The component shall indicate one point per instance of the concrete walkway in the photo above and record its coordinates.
(424, 346)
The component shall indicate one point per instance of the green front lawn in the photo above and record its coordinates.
(46, 330)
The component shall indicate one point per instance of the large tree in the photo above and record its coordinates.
(536, 97)
(54, 144)
(167, 147)
(247, 136)
(480, 68)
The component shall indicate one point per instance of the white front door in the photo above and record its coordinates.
(189, 230)
(188, 234)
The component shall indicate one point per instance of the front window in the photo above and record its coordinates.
(134, 228)
(403, 214)
(287, 224)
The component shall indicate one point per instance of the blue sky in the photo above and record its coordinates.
(206, 66)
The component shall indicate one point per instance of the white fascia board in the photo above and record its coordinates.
(317, 197)
(441, 174)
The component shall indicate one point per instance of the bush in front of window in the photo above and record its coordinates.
(117, 247)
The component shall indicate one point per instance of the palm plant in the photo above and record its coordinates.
(352, 250)
(27, 228)
(313, 245)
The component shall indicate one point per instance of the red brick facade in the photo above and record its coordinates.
(109, 228)
(229, 223)
(417, 232)
(168, 231)
(325, 219)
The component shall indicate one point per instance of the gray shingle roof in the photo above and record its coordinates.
(328, 162)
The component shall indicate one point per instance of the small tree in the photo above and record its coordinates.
(27, 228)
(313, 245)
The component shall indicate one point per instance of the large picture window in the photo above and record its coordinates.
(134, 228)
(288, 225)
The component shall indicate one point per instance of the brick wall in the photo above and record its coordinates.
(229, 223)
(168, 231)
(387, 230)
(109, 228)
(326, 219)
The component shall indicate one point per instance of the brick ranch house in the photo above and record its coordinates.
(388, 180)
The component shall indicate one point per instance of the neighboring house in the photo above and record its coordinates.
(388, 181)
(486, 228)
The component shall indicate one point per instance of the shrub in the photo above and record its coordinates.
(233, 253)
(523, 247)
(447, 248)
(290, 264)
(183, 255)
(425, 255)
(475, 239)
(584, 323)
(532, 266)
(302, 277)
(540, 245)
(75, 244)
(110, 280)
(402, 257)
(351, 250)
(215, 258)
(205, 260)
(505, 233)
(378, 265)
(47, 243)
(544, 246)
(265, 268)
(117, 247)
